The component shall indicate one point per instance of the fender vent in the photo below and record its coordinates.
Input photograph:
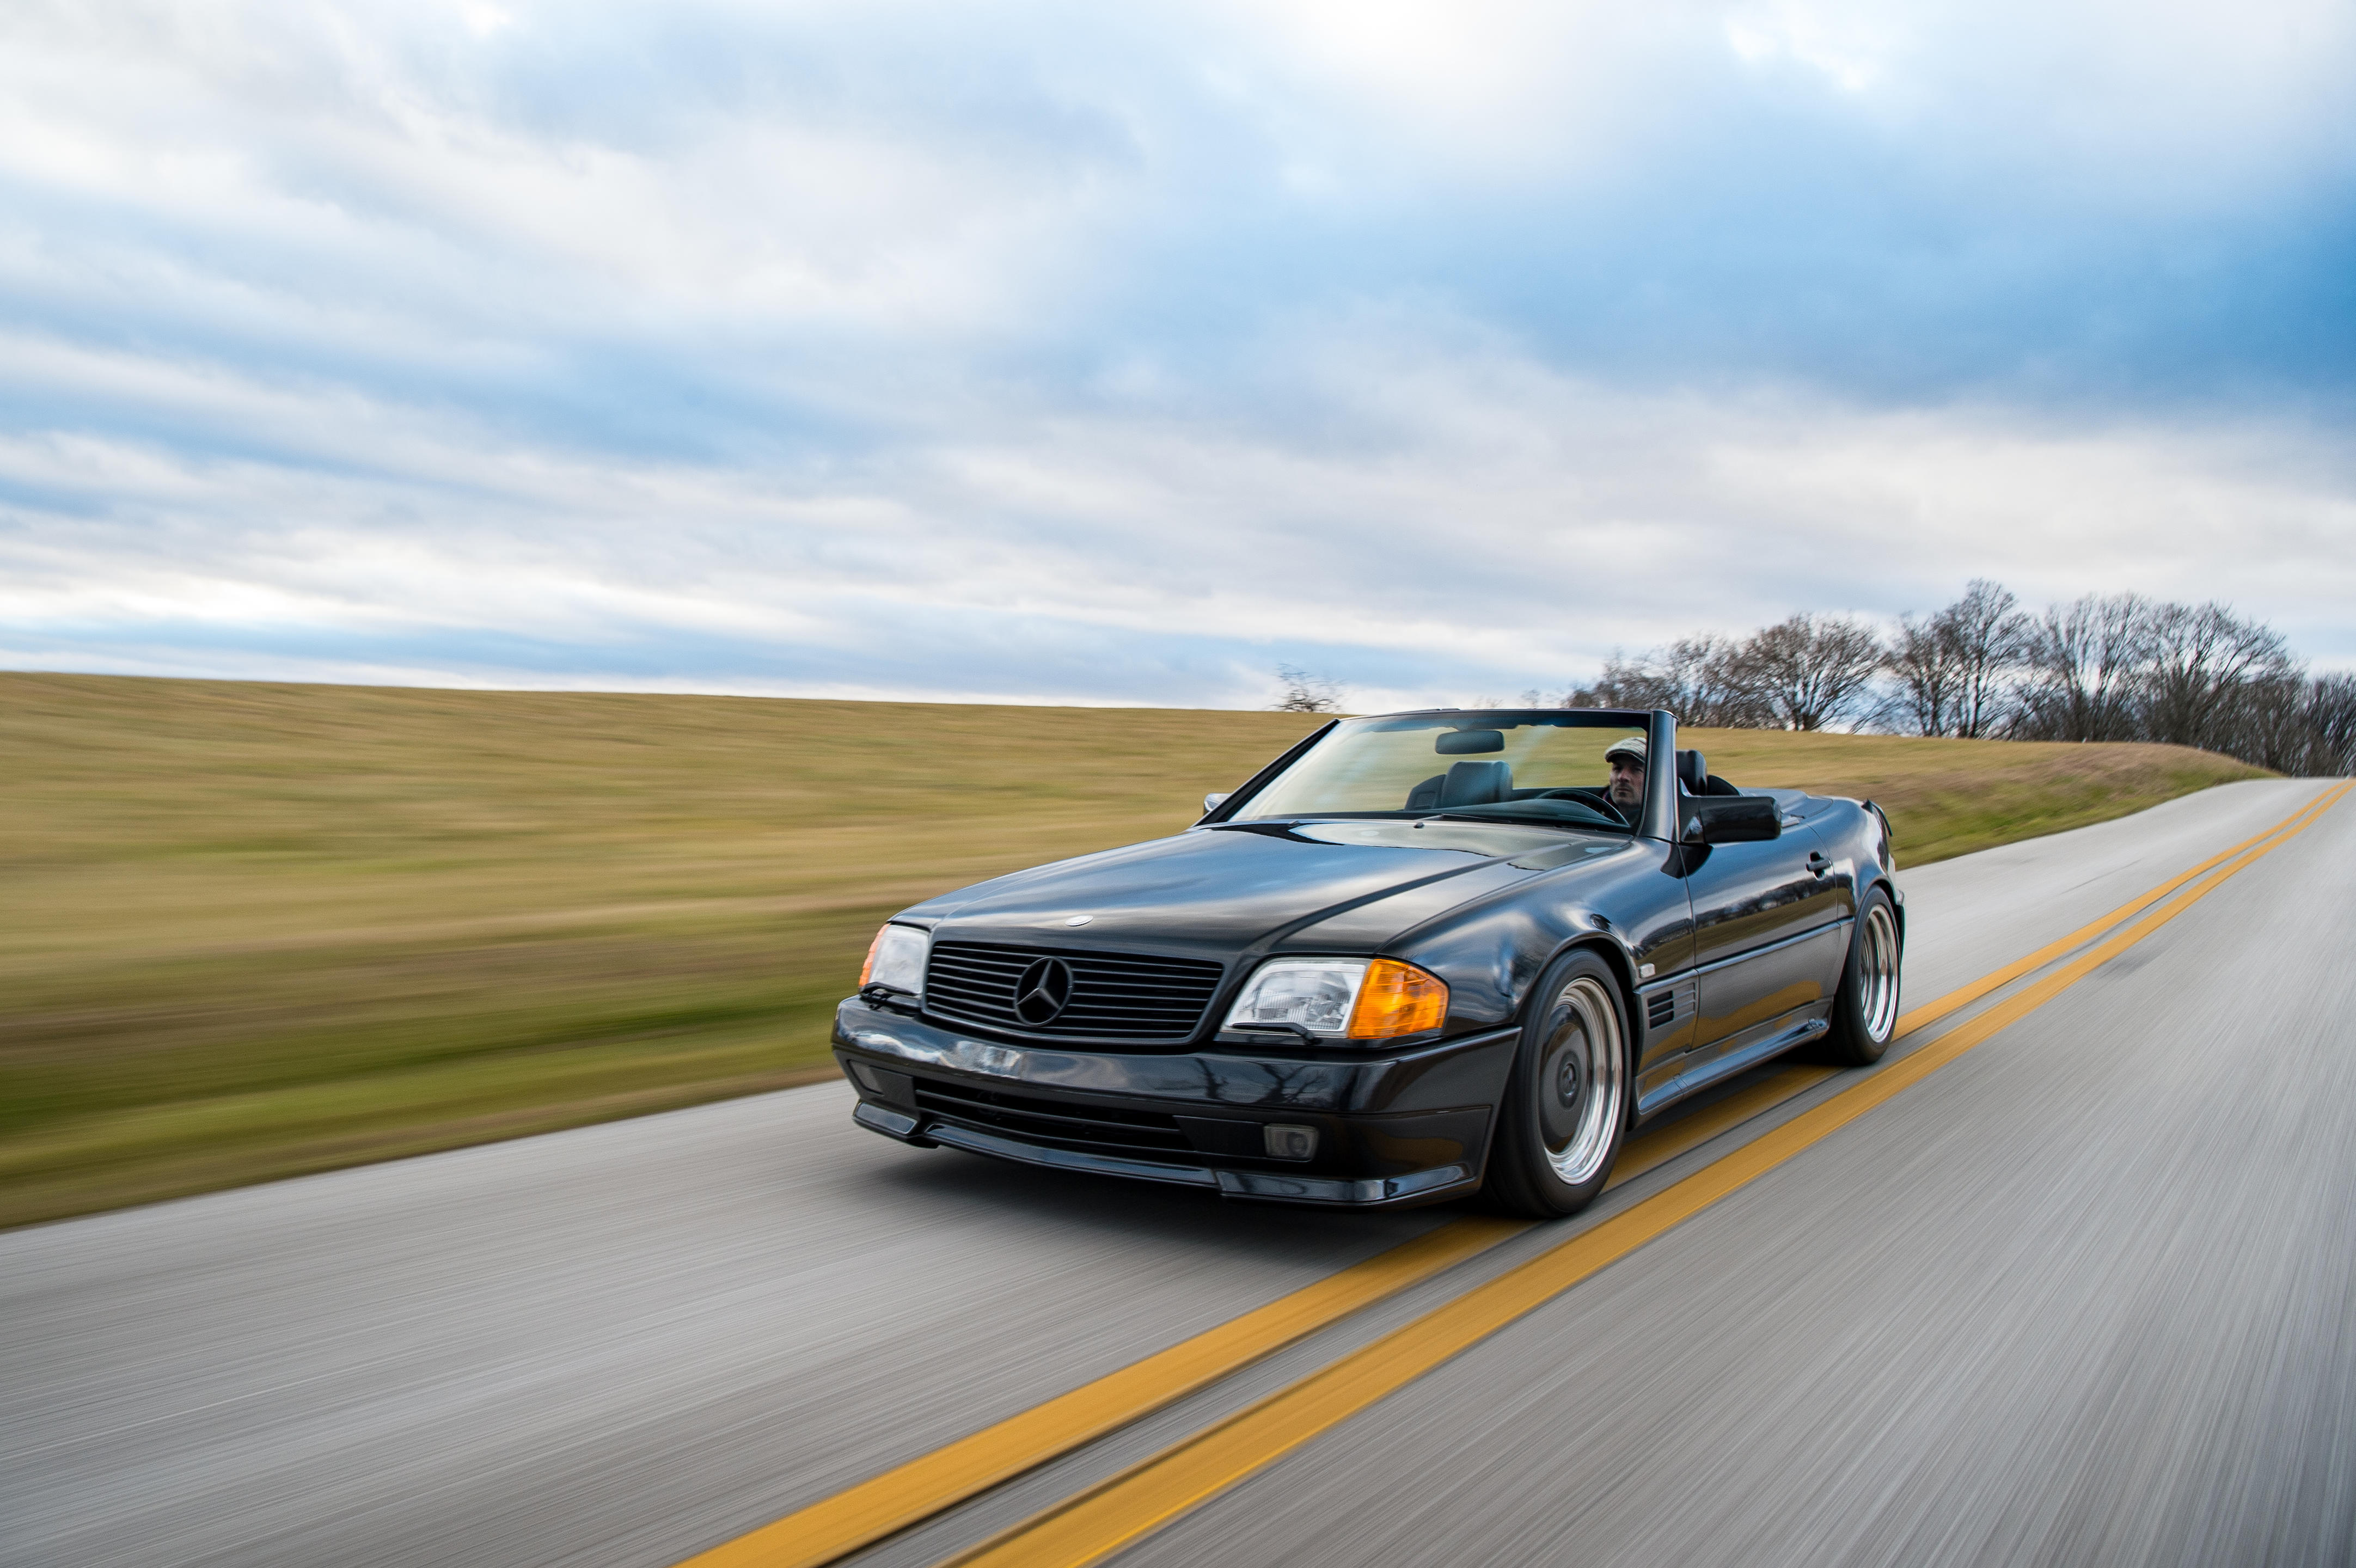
(1660, 1010)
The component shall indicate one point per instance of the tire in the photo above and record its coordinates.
(1565, 1110)
(1865, 1009)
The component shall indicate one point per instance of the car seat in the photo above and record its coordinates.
(1464, 783)
(1693, 776)
(1477, 783)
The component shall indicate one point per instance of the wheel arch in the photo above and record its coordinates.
(1622, 966)
(1889, 888)
(1507, 1184)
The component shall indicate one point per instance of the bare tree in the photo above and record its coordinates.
(2272, 725)
(2088, 657)
(1809, 671)
(1306, 693)
(1699, 679)
(1612, 688)
(2330, 722)
(2292, 724)
(2204, 661)
(1991, 638)
(1952, 669)
(1923, 663)
(2103, 667)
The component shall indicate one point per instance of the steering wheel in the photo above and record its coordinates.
(1576, 792)
(1595, 800)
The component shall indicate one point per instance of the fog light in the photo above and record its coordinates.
(1283, 1141)
(861, 1075)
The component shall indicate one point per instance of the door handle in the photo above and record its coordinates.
(1818, 862)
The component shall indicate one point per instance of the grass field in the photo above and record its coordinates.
(253, 929)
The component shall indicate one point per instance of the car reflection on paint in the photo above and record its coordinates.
(1417, 956)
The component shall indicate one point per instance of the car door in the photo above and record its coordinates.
(1770, 926)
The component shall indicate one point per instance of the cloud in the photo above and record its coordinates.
(1467, 520)
(1060, 353)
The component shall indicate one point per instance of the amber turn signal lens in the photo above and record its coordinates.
(867, 970)
(1397, 999)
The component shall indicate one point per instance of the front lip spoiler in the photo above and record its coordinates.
(1374, 1192)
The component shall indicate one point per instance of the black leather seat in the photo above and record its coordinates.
(1477, 783)
(1464, 783)
(1695, 778)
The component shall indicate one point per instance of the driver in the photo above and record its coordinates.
(1625, 758)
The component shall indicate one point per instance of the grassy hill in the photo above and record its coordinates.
(254, 930)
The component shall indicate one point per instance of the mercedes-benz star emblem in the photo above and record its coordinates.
(1043, 991)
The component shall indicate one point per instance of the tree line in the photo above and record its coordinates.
(2116, 667)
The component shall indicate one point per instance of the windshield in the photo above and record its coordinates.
(1541, 765)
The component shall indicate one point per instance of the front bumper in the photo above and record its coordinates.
(1401, 1129)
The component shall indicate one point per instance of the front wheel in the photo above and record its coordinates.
(1565, 1109)
(1865, 1009)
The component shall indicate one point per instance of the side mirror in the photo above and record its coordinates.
(1213, 802)
(1730, 819)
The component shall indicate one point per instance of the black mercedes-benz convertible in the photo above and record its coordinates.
(1417, 955)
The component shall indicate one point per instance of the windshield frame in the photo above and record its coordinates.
(1655, 820)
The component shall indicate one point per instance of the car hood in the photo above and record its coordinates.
(1214, 893)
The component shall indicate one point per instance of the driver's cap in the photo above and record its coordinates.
(1629, 746)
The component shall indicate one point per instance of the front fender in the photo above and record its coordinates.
(1631, 906)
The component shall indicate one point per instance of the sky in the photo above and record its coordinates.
(1069, 353)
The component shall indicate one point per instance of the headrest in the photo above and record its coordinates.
(1476, 784)
(1693, 773)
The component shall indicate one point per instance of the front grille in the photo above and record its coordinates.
(1055, 1122)
(1115, 996)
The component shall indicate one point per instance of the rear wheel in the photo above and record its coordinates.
(1565, 1109)
(1865, 1009)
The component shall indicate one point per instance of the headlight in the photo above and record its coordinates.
(896, 958)
(1342, 998)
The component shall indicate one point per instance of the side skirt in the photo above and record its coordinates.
(1704, 1074)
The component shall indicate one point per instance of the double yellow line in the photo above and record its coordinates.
(1107, 1516)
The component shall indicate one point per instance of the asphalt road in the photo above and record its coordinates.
(2081, 1296)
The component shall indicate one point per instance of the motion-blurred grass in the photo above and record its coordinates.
(251, 929)
(1950, 798)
